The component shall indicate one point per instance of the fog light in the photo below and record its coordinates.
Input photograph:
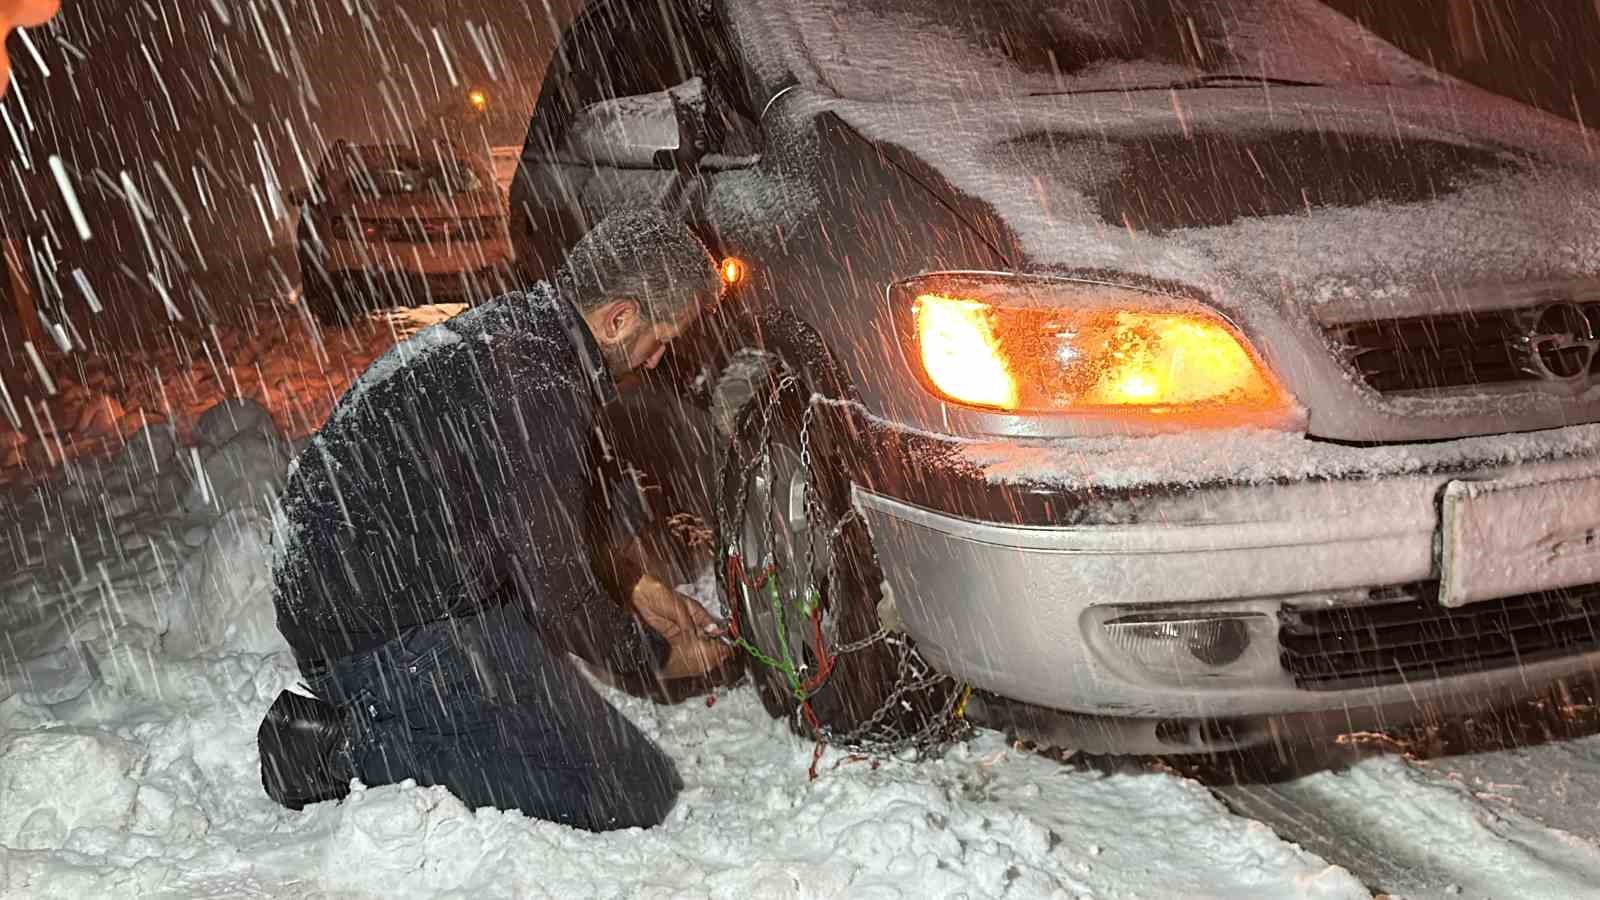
(1217, 642)
(1194, 644)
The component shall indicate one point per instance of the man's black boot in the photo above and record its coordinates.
(302, 742)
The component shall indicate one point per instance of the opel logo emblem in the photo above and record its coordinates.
(1558, 342)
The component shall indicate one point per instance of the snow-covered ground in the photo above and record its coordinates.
(140, 654)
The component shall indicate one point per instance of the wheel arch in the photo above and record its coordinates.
(847, 217)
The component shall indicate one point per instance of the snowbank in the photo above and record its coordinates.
(161, 548)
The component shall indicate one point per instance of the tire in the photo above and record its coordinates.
(323, 303)
(773, 518)
(319, 293)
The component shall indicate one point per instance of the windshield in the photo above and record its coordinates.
(398, 172)
(958, 49)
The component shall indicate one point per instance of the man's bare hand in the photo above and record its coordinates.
(690, 632)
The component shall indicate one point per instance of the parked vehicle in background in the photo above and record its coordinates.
(1181, 377)
(391, 225)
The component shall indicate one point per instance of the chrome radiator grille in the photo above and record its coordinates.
(1404, 635)
(1552, 346)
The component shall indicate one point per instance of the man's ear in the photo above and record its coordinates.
(618, 319)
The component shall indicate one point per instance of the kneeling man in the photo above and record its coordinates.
(459, 523)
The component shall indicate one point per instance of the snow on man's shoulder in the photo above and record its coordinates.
(521, 324)
(516, 328)
(403, 355)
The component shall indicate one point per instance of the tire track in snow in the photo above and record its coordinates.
(1556, 784)
(1283, 809)
(1421, 830)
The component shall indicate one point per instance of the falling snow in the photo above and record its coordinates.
(166, 356)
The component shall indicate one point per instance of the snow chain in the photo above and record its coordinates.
(875, 736)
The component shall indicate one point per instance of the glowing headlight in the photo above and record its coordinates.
(1041, 352)
(961, 351)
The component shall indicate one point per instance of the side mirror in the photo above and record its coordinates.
(699, 134)
(702, 126)
(680, 129)
(701, 130)
(688, 114)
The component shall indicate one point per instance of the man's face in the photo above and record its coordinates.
(630, 341)
(20, 14)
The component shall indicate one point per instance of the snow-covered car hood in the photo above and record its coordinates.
(1270, 194)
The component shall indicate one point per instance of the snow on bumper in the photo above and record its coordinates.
(1019, 609)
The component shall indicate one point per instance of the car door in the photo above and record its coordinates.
(603, 111)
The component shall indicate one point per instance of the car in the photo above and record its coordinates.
(1157, 379)
(388, 225)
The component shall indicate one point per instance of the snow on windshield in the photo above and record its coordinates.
(952, 49)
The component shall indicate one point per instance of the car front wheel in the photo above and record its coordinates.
(797, 568)
(318, 290)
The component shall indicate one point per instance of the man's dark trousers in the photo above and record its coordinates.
(480, 705)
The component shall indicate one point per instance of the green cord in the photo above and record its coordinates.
(785, 665)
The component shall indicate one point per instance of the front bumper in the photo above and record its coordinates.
(376, 288)
(417, 258)
(420, 274)
(1000, 597)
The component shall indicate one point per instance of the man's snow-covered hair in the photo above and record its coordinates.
(644, 255)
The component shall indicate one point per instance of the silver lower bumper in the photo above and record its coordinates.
(1008, 608)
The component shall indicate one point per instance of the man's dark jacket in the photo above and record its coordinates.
(467, 468)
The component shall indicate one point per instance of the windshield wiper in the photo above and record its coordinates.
(1200, 81)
